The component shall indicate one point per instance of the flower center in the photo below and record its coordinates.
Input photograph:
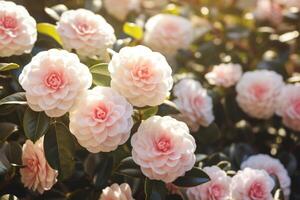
(8, 22)
(100, 113)
(54, 81)
(259, 90)
(141, 72)
(163, 144)
(215, 191)
(198, 101)
(297, 106)
(32, 164)
(256, 191)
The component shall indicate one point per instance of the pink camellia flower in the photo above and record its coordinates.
(218, 188)
(17, 30)
(87, 33)
(52, 81)
(288, 106)
(37, 173)
(142, 76)
(268, 10)
(225, 75)
(117, 192)
(252, 184)
(163, 148)
(273, 167)
(168, 33)
(257, 92)
(194, 103)
(104, 122)
(121, 8)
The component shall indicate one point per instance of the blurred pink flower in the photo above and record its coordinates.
(17, 30)
(163, 148)
(225, 75)
(37, 173)
(268, 10)
(52, 81)
(218, 188)
(117, 192)
(104, 122)
(168, 33)
(257, 92)
(252, 184)
(288, 106)
(289, 3)
(121, 8)
(273, 167)
(194, 103)
(87, 33)
(142, 76)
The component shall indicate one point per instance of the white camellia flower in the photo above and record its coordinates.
(117, 192)
(17, 30)
(52, 81)
(218, 188)
(225, 75)
(121, 8)
(273, 167)
(268, 10)
(257, 92)
(163, 147)
(252, 184)
(194, 103)
(168, 33)
(142, 76)
(288, 106)
(104, 122)
(87, 33)
(37, 173)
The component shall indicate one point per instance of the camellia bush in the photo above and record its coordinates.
(150, 99)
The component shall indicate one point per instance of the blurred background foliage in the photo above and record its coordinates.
(226, 32)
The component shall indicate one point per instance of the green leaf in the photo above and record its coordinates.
(35, 124)
(133, 30)
(129, 168)
(6, 129)
(16, 98)
(192, 178)
(208, 135)
(49, 30)
(8, 66)
(148, 112)
(101, 68)
(8, 197)
(59, 149)
(13, 152)
(103, 172)
(155, 190)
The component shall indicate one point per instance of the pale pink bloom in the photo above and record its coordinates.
(168, 33)
(252, 184)
(225, 75)
(17, 30)
(194, 103)
(37, 174)
(117, 192)
(257, 92)
(101, 120)
(121, 8)
(288, 106)
(273, 167)
(142, 76)
(218, 188)
(268, 10)
(87, 33)
(52, 81)
(163, 148)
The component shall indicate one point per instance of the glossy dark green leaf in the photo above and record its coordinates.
(101, 68)
(8, 66)
(129, 168)
(59, 149)
(35, 124)
(13, 152)
(148, 112)
(6, 129)
(16, 98)
(155, 190)
(192, 178)
(103, 172)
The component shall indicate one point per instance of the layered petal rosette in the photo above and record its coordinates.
(273, 167)
(252, 184)
(101, 120)
(37, 174)
(117, 192)
(163, 148)
(218, 188)
(167, 33)
(17, 29)
(52, 81)
(142, 76)
(257, 92)
(87, 33)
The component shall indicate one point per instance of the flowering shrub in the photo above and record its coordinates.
(150, 99)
